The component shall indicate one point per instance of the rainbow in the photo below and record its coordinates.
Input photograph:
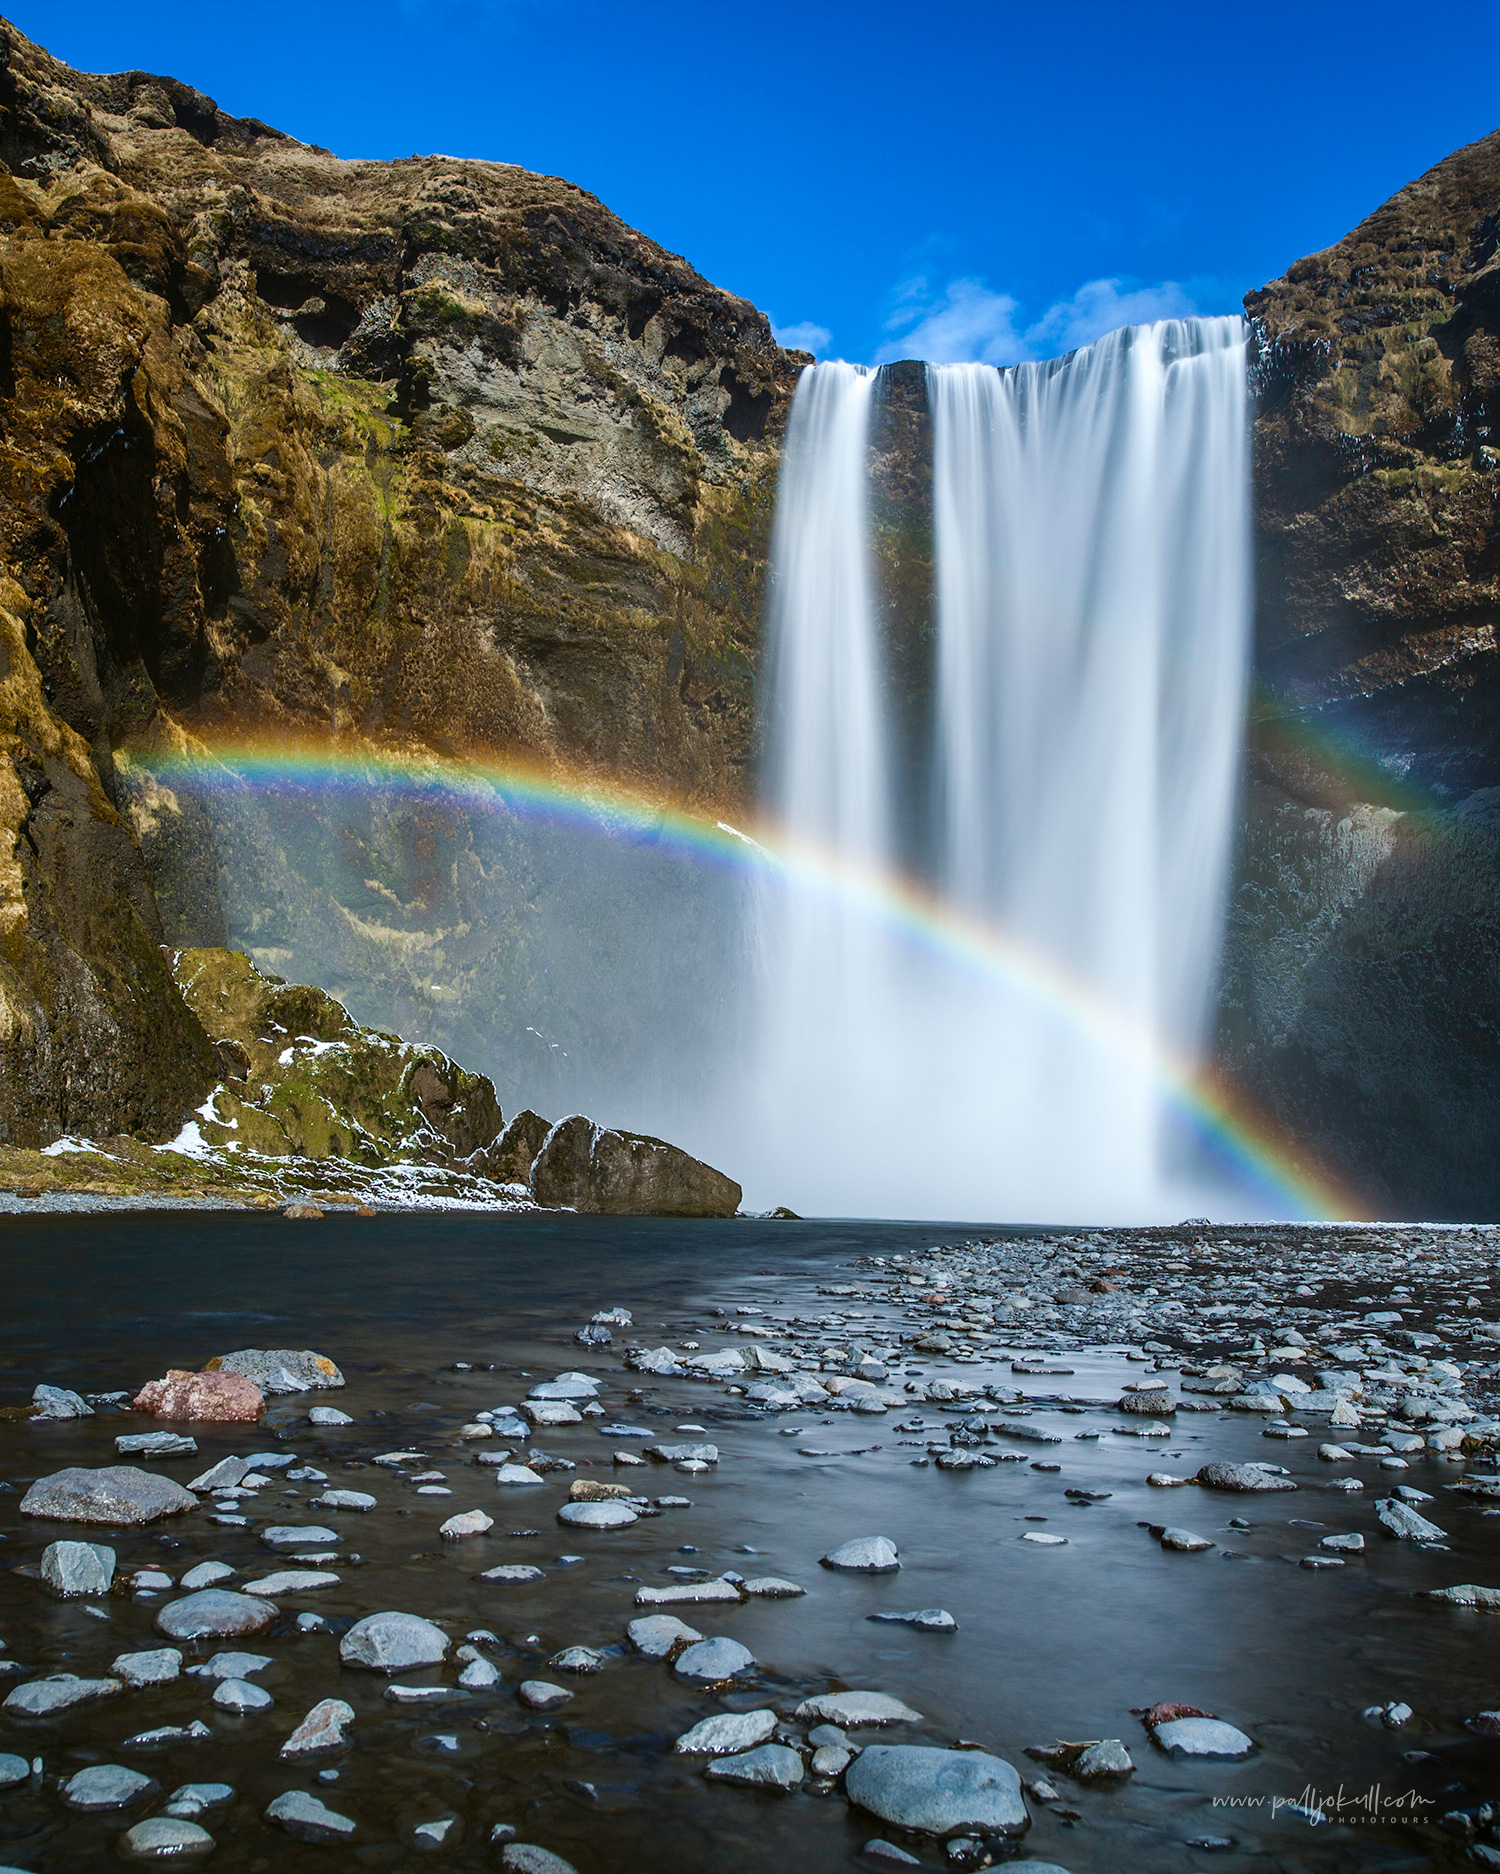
(1232, 1127)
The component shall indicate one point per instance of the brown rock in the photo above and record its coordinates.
(512, 1155)
(228, 1397)
(590, 1168)
(585, 1490)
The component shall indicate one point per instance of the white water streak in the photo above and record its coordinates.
(1093, 583)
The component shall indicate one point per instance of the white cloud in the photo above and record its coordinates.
(804, 336)
(969, 323)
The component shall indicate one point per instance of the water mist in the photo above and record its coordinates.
(1092, 610)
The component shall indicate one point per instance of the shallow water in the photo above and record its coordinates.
(1053, 1643)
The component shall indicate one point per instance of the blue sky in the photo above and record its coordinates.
(966, 181)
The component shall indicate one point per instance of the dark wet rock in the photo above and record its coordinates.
(937, 1792)
(104, 1786)
(850, 1710)
(659, 1635)
(865, 1555)
(520, 1857)
(714, 1661)
(118, 1494)
(155, 1445)
(1401, 1520)
(1155, 1403)
(191, 1799)
(44, 1698)
(215, 1614)
(166, 1838)
(393, 1642)
(726, 1733)
(929, 1619)
(772, 1766)
(1201, 1737)
(541, 1695)
(597, 1515)
(512, 1155)
(240, 1697)
(321, 1731)
(279, 1371)
(169, 1736)
(78, 1568)
(1098, 1762)
(158, 1667)
(1241, 1477)
(585, 1167)
(306, 1819)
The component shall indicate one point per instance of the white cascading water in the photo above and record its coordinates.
(1093, 605)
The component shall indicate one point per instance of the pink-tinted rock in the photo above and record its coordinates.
(225, 1396)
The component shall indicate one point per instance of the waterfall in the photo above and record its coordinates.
(1092, 597)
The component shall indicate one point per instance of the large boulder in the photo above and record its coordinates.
(938, 1792)
(117, 1493)
(279, 1370)
(586, 1167)
(227, 1397)
(510, 1158)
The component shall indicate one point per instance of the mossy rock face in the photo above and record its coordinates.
(316, 1085)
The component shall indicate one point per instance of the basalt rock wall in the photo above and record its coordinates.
(432, 453)
(1361, 999)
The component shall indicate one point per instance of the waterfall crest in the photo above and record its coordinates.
(1092, 587)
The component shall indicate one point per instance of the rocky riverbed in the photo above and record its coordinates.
(557, 1543)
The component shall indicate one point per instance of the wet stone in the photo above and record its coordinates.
(726, 1733)
(56, 1402)
(78, 1568)
(866, 1555)
(540, 1695)
(1202, 1737)
(937, 1792)
(596, 1515)
(44, 1698)
(157, 1667)
(13, 1770)
(240, 1696)
(306, 1819)
(772, 1766)
(359, 1500)
(711, 1662)
(233, 1666)
(393, 1642)
(191, 1799)
(282, 1370)
(1242, 1478)
(117, 1494)
(852, 1709)
(215, 1614)
(521, 1858)
(322, 1730)
(166, 1838)
(1109, 1758)
(155, 1445)
(577, 1659)
(105, 1786)
(929, 1619)
(657, 1635)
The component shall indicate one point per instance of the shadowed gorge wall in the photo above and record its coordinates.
(1361, 998)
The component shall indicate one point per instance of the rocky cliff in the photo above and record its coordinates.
(1362, 995)
(436, 452)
